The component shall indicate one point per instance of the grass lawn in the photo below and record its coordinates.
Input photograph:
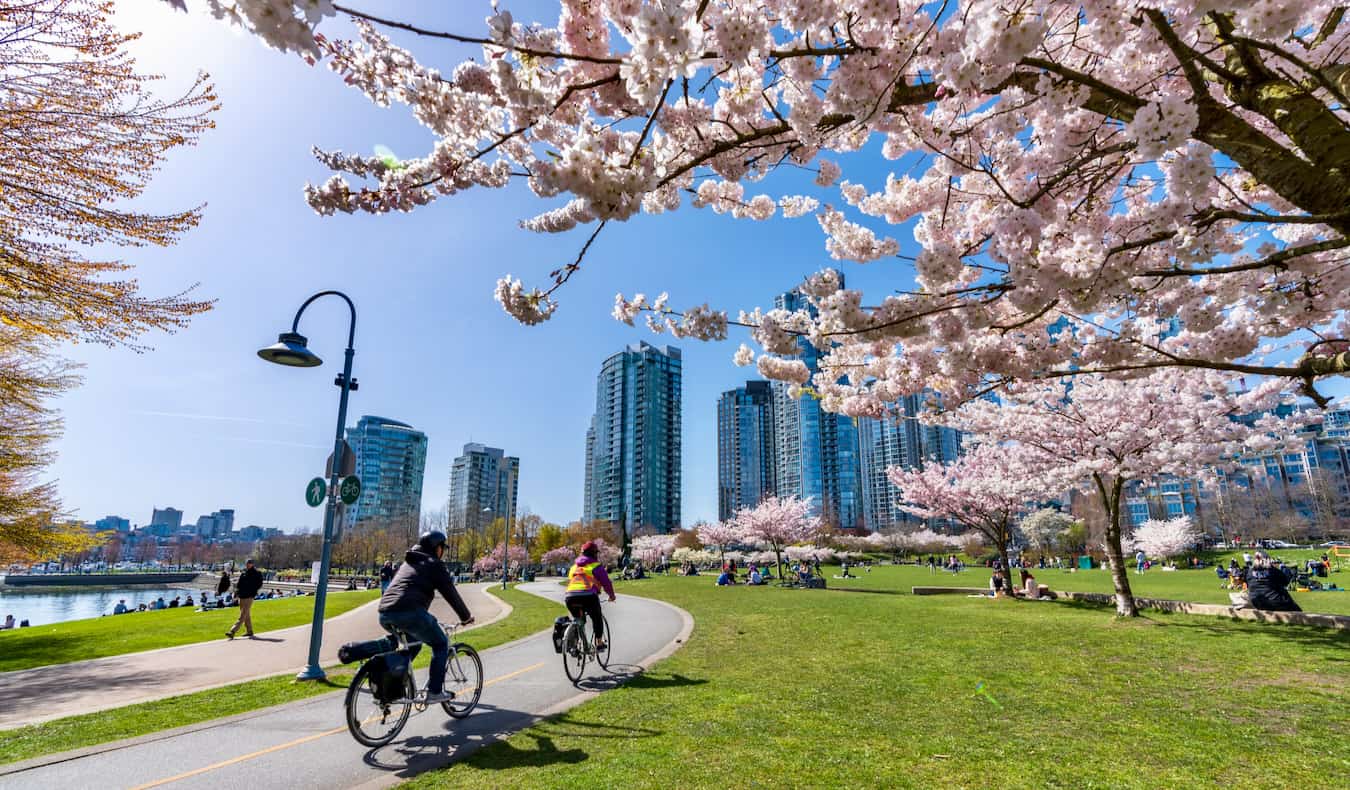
(1201, 586)
(529, 614)
(798, 688)
(78, 640)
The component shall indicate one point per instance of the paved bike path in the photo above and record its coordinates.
(306, 744)
(30, 696)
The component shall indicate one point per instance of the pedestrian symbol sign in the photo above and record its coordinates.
(314, 492)
(350, 490)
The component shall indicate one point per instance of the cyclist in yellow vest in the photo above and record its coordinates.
(585, 579)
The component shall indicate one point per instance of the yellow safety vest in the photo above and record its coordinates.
(581, 578)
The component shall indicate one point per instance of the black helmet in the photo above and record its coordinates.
(430, 540)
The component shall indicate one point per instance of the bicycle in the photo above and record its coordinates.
(578, 647)
(374, 721)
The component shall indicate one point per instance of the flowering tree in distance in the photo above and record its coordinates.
(720, 534)
(984, 490)
(492, 561)
(1105, 166)
(562, 555)
(778, 523)
(1043, 528)
(651, 548)
(1159, 538)
(1104, 433)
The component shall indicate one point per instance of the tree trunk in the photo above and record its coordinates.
(1119, 573)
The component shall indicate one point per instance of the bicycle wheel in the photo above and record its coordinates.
(371, 722)
(574, 651)
(602, 656)
(464, 676)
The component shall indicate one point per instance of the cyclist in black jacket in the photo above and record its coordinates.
(403, 607)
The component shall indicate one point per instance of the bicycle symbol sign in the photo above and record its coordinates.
(350, 490)
(314, 492)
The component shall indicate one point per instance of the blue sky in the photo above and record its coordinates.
(201, 423)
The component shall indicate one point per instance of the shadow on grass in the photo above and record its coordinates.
(506, 755)
(634, 677)
(863, 590)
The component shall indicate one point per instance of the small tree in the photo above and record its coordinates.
(651, 548)
(779, 523)
(1158, 538)
(984, 490)
(491, 562)
(720, 534)
(562, 555)
(1044, 528)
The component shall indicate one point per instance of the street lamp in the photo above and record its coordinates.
(292, 350)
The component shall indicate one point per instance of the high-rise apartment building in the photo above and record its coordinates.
(218, 524)
(816, 451)
(483, 488)
(633, 443)
(746, 453)
(164, 522)
(112, 523)
(391, 458)
(900, 440)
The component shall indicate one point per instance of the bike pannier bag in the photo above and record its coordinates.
(559, 627)
(387, 673)
(360, 651)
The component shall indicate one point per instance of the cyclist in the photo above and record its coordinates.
(404, 605)
(584, 580)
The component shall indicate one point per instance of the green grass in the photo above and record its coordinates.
(78, 640)
(1200, 586)
(798, 688)
(529, 615)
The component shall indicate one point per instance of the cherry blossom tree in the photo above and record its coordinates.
(893, 541)
(1102, 433)
(651, 548)
(492, 561)
(1165, 538)
(1043, 528)
(720, 534)
(1077, 176)
(562, 555)
(985, 490)
(777, 523)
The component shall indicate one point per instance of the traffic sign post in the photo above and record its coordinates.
(348, 462)
(315, 491)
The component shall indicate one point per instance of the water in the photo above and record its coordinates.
(40, 607)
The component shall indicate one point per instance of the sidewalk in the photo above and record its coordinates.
(36, 695)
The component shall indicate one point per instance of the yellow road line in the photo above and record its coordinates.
(296, 742)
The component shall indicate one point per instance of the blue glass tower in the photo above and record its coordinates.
(746, 473)
(391, 458)
(633, 445)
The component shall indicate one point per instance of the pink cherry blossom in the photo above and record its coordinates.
(1100, 187)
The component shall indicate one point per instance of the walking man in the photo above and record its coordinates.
(245, 590)
(386, 576)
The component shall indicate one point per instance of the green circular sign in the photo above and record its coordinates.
(315, 491)
(350, 490)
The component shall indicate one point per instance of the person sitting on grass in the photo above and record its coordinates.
(726, 579)
(997, 584)
(755, 577)
(1029, 585)
(121, 607)
(844, 574)
(1267, 586)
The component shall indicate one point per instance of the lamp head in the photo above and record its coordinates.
(291, 349)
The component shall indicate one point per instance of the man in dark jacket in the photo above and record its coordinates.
(246, 589)
(386, 576)
(404, 605)
(1267, 586)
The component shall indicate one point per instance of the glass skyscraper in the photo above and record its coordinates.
(817, 451)
(483, 488)
(391, 458)
(746, 454)
(898, 440)
(633, 443)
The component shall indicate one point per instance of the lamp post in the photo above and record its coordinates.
(291, 350)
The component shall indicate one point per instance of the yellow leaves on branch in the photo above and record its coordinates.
(80, 134)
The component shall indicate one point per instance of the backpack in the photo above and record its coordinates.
(387, 673)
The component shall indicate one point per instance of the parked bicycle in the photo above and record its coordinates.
(578, 647)
(384, 692)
